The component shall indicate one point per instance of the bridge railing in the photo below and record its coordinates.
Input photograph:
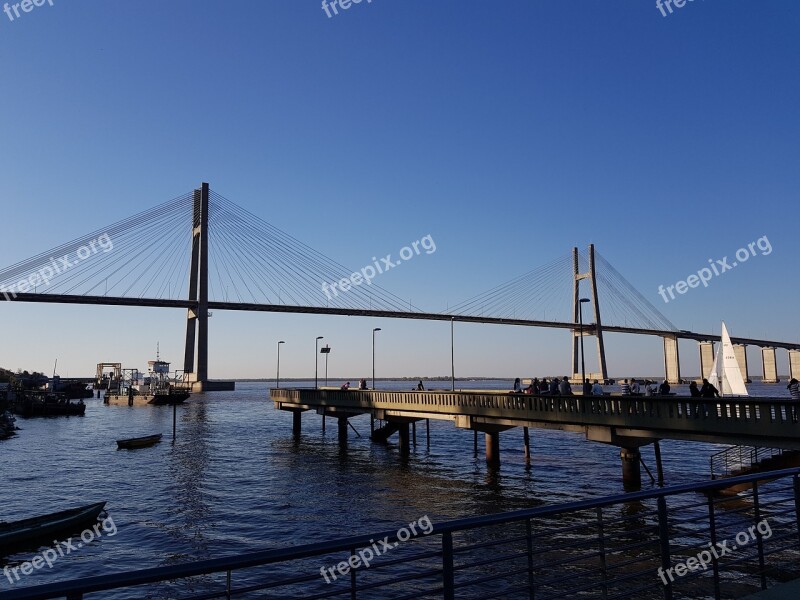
(679, 542)
(771, 418)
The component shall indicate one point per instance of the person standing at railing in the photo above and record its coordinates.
(708, 390)
(626, 388)
(794, 388)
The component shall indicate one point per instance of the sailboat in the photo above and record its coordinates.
(725, 373)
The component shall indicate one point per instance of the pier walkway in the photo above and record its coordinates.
(625, 421)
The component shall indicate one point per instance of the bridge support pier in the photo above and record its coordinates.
(296, 422)
(672, 363)
(342, 421)
(527, 440)
(794, 364)
(769, 365)
(493, 449)
(404, 438)
(631, 468)
(706, 358)
(740, 351)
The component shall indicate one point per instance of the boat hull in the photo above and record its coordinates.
(140, 442)
(146, 399)
(19, 534)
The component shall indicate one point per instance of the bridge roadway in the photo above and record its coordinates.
(625, 421)
(355, 312)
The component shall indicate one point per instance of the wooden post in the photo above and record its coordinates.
(527, 445)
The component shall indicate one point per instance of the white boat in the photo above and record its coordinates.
(725, 373)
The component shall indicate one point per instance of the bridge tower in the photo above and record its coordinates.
(197, 316)
(595, 328)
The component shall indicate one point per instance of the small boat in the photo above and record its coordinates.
(139, 442)
(38, 403)
(18, 534)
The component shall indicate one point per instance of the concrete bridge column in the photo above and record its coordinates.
(740, 351)
(342, 430)
(493, 449)
(794, 364)
(296, 422)
(631, 469)
(403, 432)
(706, 358)
(770, 365)
(672, 364)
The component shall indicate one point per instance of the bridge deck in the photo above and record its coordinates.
(618, 420)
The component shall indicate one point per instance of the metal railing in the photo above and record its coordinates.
(767, 422)
(639, 545)
(735, 459)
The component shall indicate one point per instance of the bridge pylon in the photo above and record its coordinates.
(197, 316)
(589, 329)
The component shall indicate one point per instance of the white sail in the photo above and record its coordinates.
(725, 374)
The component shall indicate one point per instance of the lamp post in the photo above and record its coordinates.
(326, 350)
(583, 363)
(316, 362)
(373, 355)
(278, 374)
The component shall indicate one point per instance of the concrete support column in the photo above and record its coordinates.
(404, 434)
(794, 364)
(493, 449)
(706, 358)
(527, 439)
(672, 364)
(770, 365)
(342, 430)
(631, 467)
(296, 422)
(740, 351)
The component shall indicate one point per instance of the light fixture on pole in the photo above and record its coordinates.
(583, 363)
(278, 374)
(373, 355)
(316, 362)
(326, 350)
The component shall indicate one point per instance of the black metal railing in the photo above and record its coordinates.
(685, 541)
(734, 460)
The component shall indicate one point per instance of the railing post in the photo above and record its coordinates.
(758, 537)
(529, 544)
(448, 574)
(352, 576)
(712, 526)
(663, 537)
(601, 538)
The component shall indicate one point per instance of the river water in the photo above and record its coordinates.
(236, 481)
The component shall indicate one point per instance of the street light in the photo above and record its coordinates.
(316, 362)
(326, 350)
(583, 363)
(278, 374)
(373, 355)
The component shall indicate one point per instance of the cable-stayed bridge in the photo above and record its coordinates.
(202, 252)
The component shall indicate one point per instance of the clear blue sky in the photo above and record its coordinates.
(509, 131)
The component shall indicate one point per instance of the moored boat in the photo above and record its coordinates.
(17, 534)
(139, 442)
(128, 388)
(36, 403)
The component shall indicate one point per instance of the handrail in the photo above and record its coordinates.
(76, 588)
